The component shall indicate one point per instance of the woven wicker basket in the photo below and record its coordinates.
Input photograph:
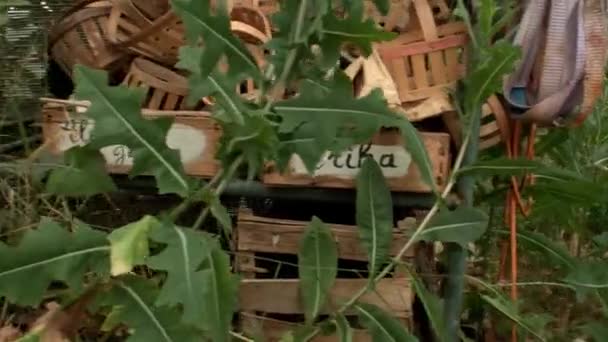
(267, 7)
(80, 37)
(166, 89)
(425, 61)
(151, 30)
(495, 127)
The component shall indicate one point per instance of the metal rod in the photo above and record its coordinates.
(256, 189)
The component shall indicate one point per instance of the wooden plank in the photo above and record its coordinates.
(282, 296)
(261, 234)
(391, 51)
(272, 330)
(387, 148)
(194, 136)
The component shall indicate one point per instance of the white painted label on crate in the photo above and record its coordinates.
(190, 142)
(393, 160)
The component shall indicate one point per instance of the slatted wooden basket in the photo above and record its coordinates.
(149, 29)
(495, 127)
(81, 37)
(166, 89)
(428, 59)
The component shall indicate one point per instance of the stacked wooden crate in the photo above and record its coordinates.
(270, 304)
(137, 42)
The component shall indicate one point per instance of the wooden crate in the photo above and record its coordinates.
(387, 148)
(195, 134)
(262, 299)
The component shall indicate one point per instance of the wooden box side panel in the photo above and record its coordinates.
(260, 234)
(195, 136)
(271, 330)
(282, 296)
(391, 153)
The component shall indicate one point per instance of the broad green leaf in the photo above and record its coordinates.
(414, 145)
(222, 216)
(220, 292)
(129, 245)
(147, 323)
(317, 267)
(83, 175)
(374, 215)
(589, 275)
(381, 325)
(214, 30)
(432, 305)
(460, 226)
(548, 247)
(335, 120)
(48, 254)
(507, 308)
(338, 31)
(181, 258)
(118, 121)
(343, 329)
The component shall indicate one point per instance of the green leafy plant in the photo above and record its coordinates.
(171, 283)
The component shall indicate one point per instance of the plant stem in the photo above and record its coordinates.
(219, 190)
(177, 211)
(455, 253)
(279, 87)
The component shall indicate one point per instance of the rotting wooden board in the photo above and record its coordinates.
(261, 234)
(195, 136)
(387, 149)
(282, 296)
(272, 330)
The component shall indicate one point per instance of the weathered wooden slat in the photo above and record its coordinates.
(195, 136)
(261, 234)
(282, 296)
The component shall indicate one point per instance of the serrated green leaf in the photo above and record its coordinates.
(338, 31)
(50, 253)
(214, 30)
(487, 76)
(147, 323)
(343, 329)
(335, 120)
(215, 84)
(129, 245)
(181, 259)
(75, 179)
(317, 267)
(220, 292)
(381, 325)
(256, 142)
(460, 226)
(508, 309)
(118, 121)
(374, 215)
